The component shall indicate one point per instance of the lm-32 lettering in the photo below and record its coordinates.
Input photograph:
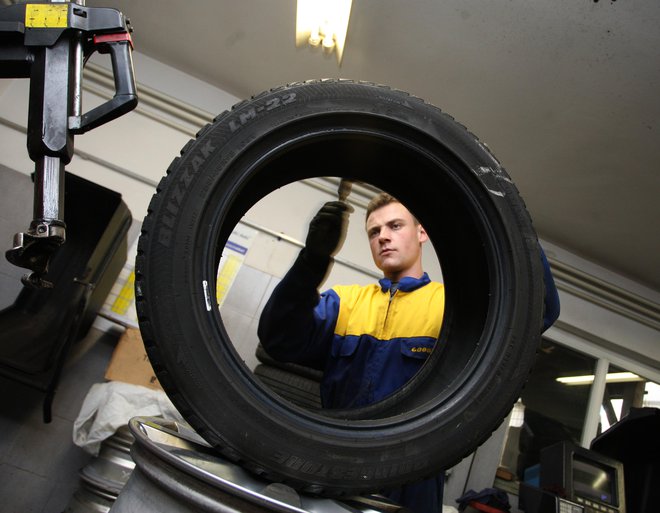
(249, 113)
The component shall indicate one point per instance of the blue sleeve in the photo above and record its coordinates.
(551, 312)
(297, 324)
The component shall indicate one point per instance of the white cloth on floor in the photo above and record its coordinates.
(108, 406)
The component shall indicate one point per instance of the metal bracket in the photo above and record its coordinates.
(49, 43)
(33, 249)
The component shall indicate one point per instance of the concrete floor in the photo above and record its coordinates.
(39, 463)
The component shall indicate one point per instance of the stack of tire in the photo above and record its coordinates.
(296, 383)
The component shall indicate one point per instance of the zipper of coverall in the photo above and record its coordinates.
(389, 304)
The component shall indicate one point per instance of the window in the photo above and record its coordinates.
(548, 410)
(625, 390)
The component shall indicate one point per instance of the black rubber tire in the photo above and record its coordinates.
(294, 387)
(481, 232)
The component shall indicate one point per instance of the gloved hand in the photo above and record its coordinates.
(327, 230)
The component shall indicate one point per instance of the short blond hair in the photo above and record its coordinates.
(379, 201)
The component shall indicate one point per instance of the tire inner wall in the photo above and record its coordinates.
(288, 210)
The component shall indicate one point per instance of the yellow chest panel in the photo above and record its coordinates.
(370, 311)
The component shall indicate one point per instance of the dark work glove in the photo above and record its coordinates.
(327, 230)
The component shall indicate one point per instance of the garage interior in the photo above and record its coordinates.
(565, 96)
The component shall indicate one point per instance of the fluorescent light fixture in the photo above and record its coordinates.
(611, 377)
(323, 23)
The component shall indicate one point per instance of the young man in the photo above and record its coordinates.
(368, 340)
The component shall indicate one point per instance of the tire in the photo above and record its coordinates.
(481, 232)
(297, 389)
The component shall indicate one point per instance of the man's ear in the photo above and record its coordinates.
(422, 236)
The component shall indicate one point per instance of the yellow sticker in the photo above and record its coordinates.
(46, 15)
(126, 296)
(226, 275)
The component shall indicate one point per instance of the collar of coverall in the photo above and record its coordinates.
(407, 284)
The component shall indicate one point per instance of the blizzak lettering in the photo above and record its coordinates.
(176, 198)
(247, 115)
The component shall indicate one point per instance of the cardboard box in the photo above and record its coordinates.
(129, 362)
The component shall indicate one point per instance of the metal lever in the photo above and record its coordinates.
(119, 46)
(48, 43)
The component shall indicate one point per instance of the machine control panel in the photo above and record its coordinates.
(591, 506)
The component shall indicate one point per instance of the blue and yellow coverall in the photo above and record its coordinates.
(368, 340)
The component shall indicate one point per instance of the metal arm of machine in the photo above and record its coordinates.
(49, 43)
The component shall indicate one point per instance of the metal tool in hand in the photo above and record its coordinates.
(345, 187)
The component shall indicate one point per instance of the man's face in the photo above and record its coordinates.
(396, 241)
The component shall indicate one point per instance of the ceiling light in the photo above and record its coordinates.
(611, 377)
(323, 23)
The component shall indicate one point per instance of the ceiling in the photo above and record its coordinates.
(565, 93)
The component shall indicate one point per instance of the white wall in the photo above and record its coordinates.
(605, 315)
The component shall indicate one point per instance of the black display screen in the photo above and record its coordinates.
(594, 481)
